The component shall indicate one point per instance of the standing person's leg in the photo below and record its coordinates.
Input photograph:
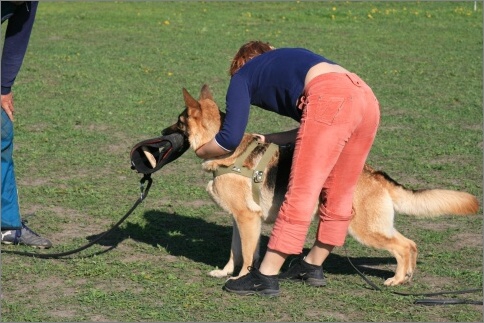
(336, 211)
(337, 195)
(10, 208)
(14, 230)
(335, 109)
(318, 146)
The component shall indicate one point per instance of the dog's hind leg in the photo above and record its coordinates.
(235, 256)
(404, 250)
(372, 225)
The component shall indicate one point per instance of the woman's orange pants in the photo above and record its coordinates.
(339, 122)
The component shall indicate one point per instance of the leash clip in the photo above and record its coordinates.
(142, 189)
(146, 177)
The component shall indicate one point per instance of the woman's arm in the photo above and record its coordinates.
(280, 138)
(211, 150)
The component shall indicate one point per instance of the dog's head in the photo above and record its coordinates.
(200, 120)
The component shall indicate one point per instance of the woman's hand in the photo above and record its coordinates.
(260, 138)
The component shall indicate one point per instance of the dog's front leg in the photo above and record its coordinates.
(249, 225)
(235, 255)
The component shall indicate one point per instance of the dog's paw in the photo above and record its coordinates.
(391, 282)
(218, 273)
(394, 281)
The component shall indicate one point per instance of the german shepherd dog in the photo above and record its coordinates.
(376, 199)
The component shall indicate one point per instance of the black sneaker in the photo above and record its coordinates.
(308, 273)
(26, 237)
(253, 283)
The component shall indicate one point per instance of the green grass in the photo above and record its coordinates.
(101, 76)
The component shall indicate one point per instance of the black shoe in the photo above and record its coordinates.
(308, 273)
(253, 283)
(26, 237)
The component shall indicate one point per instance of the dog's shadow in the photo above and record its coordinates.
(209, 243)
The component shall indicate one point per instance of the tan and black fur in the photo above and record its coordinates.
(375, 202)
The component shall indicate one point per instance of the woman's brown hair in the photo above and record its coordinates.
(246, 53)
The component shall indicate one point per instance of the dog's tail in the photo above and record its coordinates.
(430, 202)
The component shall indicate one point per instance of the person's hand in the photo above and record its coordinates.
(261, 138)
(7, 104)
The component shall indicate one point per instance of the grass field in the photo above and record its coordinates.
(101, 76)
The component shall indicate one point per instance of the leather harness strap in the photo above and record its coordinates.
(257, 174)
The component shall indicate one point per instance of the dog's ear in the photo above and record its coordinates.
(192, 105)
(190, 102)
(205, 93)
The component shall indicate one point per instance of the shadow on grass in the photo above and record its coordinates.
(209, 243)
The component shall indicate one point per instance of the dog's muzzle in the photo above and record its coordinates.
(150, 155)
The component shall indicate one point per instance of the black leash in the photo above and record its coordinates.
(144, 194)
(425, 301)
(147, 157)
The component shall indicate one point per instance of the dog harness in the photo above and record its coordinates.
(256, 174)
